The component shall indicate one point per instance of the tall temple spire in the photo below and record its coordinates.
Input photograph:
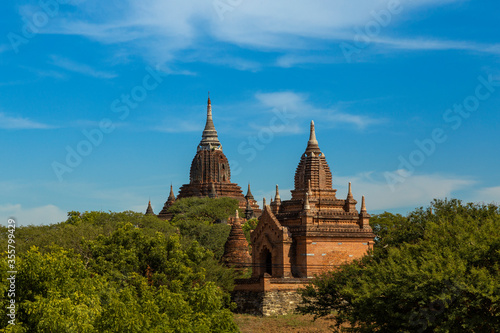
(349, 193)
(312, 144)
(209, 140)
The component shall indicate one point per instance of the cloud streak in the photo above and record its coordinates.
(19, 123)
(48, 214)
(79, 68)
(298, 104)
(439, 45)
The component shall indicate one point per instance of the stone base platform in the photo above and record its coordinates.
(267, 296)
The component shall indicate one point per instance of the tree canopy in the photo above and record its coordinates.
(435, 270)
(119, 272)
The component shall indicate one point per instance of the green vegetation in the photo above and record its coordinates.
(248, 226)
(123, 272)
(200, 219)
(435, 270)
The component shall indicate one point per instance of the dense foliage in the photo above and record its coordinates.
(201, 219)
(120, 272)
(435, 270)
(248, 226)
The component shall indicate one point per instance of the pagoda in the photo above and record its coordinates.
(210, 174)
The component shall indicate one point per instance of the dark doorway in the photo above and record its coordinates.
(269, 262)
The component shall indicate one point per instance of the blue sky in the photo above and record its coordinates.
(405, 96)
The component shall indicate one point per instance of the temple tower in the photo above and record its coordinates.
(210, 174)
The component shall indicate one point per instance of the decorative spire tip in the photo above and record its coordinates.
(312, 135)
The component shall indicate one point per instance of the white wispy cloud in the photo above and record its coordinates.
(292, 60)
(80, 68)
(163, 31)
(77, 196)
(488, 194)
(43, 73)
(422, 43)
(47, 214)
(299, 105)
(16, 123)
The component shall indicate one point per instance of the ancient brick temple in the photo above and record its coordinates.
(210, 175)
(298, 238)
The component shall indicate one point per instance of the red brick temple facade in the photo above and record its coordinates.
(295, 239)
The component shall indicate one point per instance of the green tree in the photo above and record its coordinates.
(204, 209)
(126, 276)
(436, 270)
